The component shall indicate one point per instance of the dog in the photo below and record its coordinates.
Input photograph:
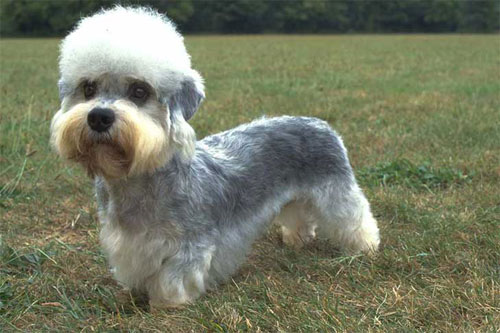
(178, 216)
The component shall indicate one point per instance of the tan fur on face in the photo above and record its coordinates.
(135, 144)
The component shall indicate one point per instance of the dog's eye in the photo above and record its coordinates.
(139, 92)
(89, 89)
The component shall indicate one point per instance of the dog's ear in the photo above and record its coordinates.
(63, 89)
(182, 106)
(189, 97)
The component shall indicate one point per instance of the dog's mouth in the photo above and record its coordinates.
(100, 138)
(100, 154)
(106, 159)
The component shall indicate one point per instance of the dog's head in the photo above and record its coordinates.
(127, 91)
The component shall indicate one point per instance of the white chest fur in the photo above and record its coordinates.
(134, 256)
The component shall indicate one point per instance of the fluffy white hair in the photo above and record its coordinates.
(127, 41)
(138, 43)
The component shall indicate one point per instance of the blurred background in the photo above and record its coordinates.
(33, 18)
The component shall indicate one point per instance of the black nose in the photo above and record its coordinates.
(100, 119)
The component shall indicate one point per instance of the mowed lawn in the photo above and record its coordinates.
(420, 116)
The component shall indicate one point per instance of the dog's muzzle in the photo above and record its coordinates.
(100, 119)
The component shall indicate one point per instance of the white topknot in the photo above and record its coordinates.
(126, 41)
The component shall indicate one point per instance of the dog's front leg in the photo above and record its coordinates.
(181, 279)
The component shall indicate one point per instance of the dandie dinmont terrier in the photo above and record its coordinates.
(179, 215)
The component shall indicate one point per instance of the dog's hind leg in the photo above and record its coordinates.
(297, 226)
(344, 216)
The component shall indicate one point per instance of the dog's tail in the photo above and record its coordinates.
(344, 217)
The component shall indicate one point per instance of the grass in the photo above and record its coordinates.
(420, 117)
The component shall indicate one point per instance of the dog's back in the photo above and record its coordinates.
(290, 150)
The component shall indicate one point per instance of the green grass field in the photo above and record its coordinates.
(420, 115)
